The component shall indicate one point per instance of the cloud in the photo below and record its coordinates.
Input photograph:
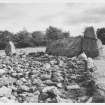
(38, 16)
(97, 10)
(86, 13)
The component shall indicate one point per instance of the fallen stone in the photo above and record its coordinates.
(4, 91)
(2, 72)
(45, 77)
(6, 100)
(73, 86)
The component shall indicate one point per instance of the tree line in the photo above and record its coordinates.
(24, 38)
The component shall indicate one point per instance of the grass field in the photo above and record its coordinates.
(26, 50)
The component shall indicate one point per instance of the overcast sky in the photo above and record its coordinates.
(38, 16)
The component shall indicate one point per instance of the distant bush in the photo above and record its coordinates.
(101, 34)
(39, 38)
(2, 45)
(53, 33)
(23, 39)
(4, 36)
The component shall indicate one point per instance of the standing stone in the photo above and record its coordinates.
(90, 45)
(10, 49)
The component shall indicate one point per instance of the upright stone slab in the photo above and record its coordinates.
(10, 49)
(90, 46)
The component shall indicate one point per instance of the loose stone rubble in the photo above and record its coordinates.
(42, 78)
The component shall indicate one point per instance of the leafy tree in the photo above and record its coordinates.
(39, 38)
(101, 34)
(53, 33)
(66, 34)
(23, 39)
(4, 36)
